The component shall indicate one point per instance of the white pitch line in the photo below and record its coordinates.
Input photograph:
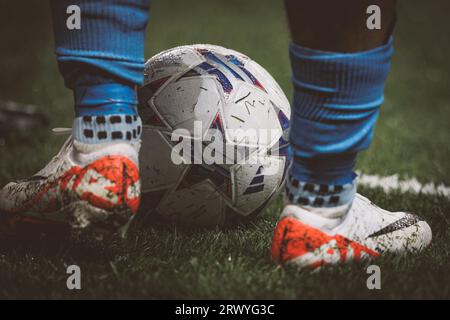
(393, 183)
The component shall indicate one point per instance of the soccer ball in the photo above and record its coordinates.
(188, 92)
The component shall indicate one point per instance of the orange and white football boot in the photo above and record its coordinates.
(84, 185)
(310, 237)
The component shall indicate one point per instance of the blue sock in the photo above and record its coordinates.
(337, 97)
(103, 64)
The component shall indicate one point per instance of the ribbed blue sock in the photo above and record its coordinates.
(337, 97)
(103, 63)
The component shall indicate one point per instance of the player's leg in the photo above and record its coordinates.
(94, 180)
(339, 72)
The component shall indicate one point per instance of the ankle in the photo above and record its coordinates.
(111, 128)
(105, 109)
(319, 196)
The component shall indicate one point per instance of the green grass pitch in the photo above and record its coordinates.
(412, 139)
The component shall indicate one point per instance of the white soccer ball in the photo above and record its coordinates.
(189, 92)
